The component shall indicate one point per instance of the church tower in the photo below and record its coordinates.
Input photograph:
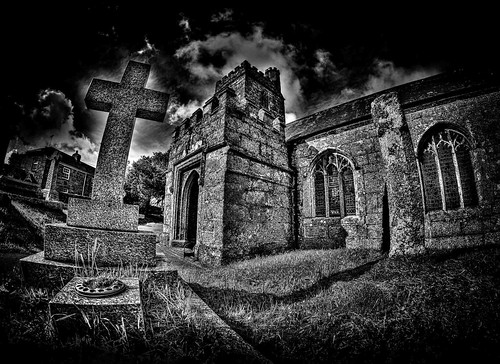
(228, 190)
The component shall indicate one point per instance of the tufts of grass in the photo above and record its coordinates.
(328, 306)
(282, 274)
(89, 268)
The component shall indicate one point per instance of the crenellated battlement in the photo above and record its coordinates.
(188, 123)
(270, 78)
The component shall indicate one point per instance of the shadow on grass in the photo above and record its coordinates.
(263, 301)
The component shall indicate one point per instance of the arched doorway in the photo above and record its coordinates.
(190, 211)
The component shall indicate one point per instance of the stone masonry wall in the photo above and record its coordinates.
(203, 131)
(211, 209)
(359, 143)
(479, 118)
(257, 212)
(476, 114)
(240, 143)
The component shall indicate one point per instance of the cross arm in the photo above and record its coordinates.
(153, 105)
(101, 95)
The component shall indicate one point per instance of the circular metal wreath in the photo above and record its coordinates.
(100, 287)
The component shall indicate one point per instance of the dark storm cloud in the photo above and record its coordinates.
(325, 56)
(50, 122)
(382, 75)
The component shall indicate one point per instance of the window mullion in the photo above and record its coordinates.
(312, 193)
(440, 174)
(327, 196)
(341, 195)
(457, 174)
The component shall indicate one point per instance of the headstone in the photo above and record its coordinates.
(104, 227)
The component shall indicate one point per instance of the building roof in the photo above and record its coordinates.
(65, 158)
(429, 90)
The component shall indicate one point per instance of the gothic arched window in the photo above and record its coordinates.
(447, 172)
(333, 186)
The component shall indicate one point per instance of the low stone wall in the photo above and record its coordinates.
(461, 228)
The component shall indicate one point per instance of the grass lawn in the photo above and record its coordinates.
(342, 306)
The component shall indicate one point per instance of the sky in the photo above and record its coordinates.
(326, 56)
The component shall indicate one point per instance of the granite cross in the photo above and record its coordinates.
(124, 101)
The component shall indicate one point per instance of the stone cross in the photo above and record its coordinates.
(124, 101)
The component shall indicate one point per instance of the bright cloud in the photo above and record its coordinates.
(51, 122)
(258, 49)
(386, 75)
(383, 75)
(225, 15)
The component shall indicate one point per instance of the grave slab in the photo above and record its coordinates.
(41, 272)
(67, 308)
(113, 247)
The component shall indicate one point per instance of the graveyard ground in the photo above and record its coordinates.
(302, 306)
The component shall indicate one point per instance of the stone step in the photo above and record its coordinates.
(110, 247)
(69, 310)
(40, 272)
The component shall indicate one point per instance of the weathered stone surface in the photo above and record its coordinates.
(404, 194)
(124, 101)
(323, 233)
(359, 146)
(356, 232)
(244, 205)
(40, 272)
(477, 116)
(379, 134)
(113, 247)
(68, 307)
(107, 215)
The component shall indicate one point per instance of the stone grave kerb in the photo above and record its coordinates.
(124, 101)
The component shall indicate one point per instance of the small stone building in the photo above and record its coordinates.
(411, 168)
(58, 175)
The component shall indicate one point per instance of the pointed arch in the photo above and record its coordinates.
(446, 168)
(333, 185)
(188, 224)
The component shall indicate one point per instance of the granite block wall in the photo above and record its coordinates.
(470, 106)
(210, 240)
(257, 211)
(361, 146)
(478, 117)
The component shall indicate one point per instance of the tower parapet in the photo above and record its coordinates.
(271, 78)
(273, 74)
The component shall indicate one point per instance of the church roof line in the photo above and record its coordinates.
(420, 92)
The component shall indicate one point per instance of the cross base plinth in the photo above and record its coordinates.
(104, 215)
(68, 309)
(104, 247)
